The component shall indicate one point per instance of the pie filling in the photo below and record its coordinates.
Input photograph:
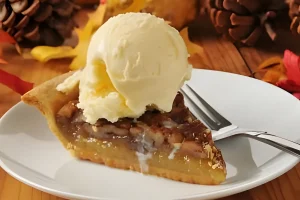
(164, 137)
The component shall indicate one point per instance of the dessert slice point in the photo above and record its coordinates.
(172, 145)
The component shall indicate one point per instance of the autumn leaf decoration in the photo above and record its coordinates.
(274, 70)
(283, 72)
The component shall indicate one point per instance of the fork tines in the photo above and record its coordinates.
(211, 117)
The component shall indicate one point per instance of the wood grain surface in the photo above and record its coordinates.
(219, 54)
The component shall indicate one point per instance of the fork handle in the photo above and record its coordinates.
(275, 141)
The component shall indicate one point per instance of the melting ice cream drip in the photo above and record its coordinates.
(143, 161)
(175, 149)
(144, 151)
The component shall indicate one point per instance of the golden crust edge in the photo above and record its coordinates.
(48, 101)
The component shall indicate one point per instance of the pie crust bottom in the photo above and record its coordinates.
(181, 168)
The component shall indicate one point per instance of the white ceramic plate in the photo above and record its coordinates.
(30, 153)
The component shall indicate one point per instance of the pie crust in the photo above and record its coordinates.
(186, 152)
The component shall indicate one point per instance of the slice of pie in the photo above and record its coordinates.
(173, 145)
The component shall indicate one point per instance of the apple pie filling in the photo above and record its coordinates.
(175, 132)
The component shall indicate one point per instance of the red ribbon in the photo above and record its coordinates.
(15, 83)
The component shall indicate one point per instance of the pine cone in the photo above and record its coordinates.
(294, 13)
(38, 22)
(86, 2)
(244, 21)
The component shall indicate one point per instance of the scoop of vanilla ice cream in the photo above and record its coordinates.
(134, 60)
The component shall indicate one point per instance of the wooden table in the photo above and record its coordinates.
(219, 54)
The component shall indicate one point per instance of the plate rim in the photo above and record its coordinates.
(213, 194)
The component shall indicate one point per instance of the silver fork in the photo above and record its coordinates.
(222, 128)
